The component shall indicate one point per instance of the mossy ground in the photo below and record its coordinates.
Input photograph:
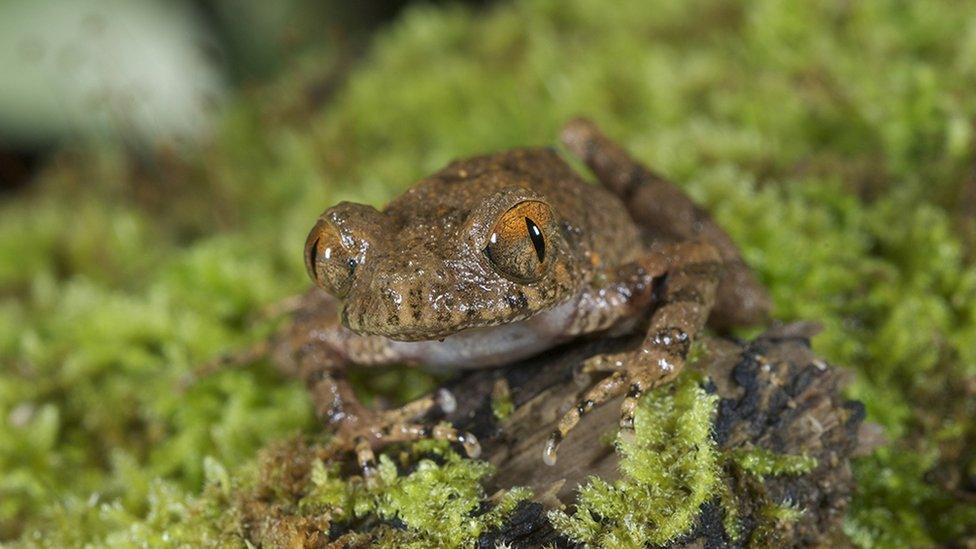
(834, 140)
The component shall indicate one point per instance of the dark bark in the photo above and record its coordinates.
(775, 394)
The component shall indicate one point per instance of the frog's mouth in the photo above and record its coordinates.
(423, 329)
(433, 316)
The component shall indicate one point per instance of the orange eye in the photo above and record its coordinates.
(329, 263)
(518, 246)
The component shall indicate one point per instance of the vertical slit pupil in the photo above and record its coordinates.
(535, 235)
(312, 250)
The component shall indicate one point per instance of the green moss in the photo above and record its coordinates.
(782, 513)
(439, 503)
(763, 463)
(173, 518)
(669, 469)
(502, 405)
(845, 197)
(770, 519)
(730, 510)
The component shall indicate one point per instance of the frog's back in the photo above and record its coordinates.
(594, 221)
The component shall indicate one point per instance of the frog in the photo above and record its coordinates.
(500, 257)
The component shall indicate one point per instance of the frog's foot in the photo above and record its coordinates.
(633, 373)
(365, 441)
(441, 399)
(369, 431)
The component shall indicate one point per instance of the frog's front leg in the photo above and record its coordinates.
(322, 357)
(665, 211)
(686, 295)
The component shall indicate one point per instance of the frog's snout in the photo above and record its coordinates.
(405, 299)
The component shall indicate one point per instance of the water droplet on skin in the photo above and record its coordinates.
(369, 472)
(549, 454)
(626, 435)
(471, 445)
(446, 401)
(371, 478)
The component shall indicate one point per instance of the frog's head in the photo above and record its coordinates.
(444, 257)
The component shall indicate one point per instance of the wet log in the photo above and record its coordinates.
(775, 394)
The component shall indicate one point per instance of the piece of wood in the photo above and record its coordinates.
(775, 394)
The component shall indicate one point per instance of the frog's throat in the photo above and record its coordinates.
(494, 345)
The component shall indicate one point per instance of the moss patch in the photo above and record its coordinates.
(772, 519)
(669, 469)
(502, 405)
(438, 503)
(763, 463)
(429, 497)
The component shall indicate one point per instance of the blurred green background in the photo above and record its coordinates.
(161, 162)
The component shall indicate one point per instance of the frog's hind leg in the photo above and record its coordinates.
(361, 429)
(662, 209)
(687, 296)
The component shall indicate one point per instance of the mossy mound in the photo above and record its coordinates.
(834, 140)
(423, 496)
(671, 459)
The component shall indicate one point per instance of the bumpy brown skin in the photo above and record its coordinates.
(420, 271)
(426, 248)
